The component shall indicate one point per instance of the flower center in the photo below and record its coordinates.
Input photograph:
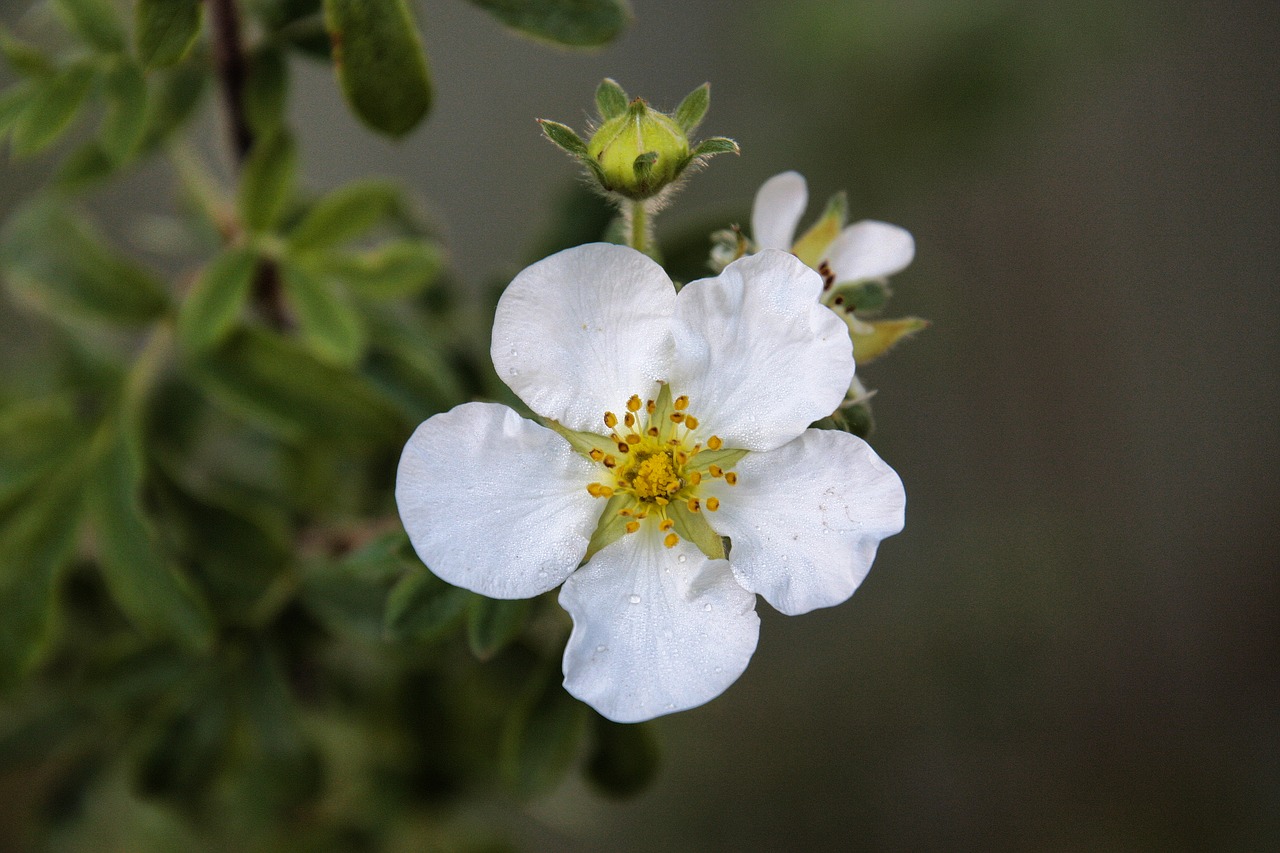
(658, 462)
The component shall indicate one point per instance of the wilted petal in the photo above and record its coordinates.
(655, 629)
(779, 204)
(758, 356)
(578, 333)
(804, 520)
(870, 250)
(495, 503)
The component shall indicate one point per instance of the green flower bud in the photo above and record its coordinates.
(639, 152)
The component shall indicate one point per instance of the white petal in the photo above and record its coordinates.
(655, 629)
(578, 333)
(759, 357)
(804, 520)
(779, 204)
(870, 250)
(495, 503)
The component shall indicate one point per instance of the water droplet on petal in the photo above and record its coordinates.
(602, 649)
(717, 669)
(707, 607)
(681, 558)
(635, 599)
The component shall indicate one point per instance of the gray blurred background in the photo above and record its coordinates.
(1073, 645)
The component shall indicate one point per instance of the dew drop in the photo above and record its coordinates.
(601, 649)
(635, 599)
(681, 558)
(706, 607)
(717, 669)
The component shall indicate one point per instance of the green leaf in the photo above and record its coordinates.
(85, 166)
(422, 608)
(611, 99)
(328, 324)
(96, 21)
(391, 271)
(694, 106)
(50, 110)
(344, 215)
(378, 57)
(13, 101)
(164, 30)
(175, 95)
(126, 91)
(565, 137)
(36, 437)
(266, 90)
(56, 262)
(36, 543)
(280, 13)
(493, 623)
(713, 146)
(267, 182)
(540, 738)
(625, 758)
(575, 23)
(154, 595)
(22, 57)
(282, 386)
(210, 310)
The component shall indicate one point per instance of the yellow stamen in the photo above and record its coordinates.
(715, 471)
(676, 417)
(695, 477)
(597, 454)
(666, 524)
(694, 505)
(633, 439)
(691, 422)
(610, 420)
(629, 419)
(623, 447)
(671, 540)
(652, 432)
(610, 462)
(714, 443)
(650, 406)
(731, 478)
(713, 504)
(633, 526)
(681, 403)
(633, 404)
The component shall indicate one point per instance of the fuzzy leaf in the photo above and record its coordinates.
(540, 738)
(126, 92)
(344, 215)
(565, 137)
(164, 30)
(22, 57)
(422, 608)
(378, 57)
(209, 312)
(174, 97)
(692, 109)
(96, 21)
(611, 99)
(493, 623)
(266, 90)
(328, 324)
(574, 23)
(268, 180)
(282, 386)
(715, 145)
(391, 271)
(156, 597)
(36, 436)
(55, 261)
(50, 110)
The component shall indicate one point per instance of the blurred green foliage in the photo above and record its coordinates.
(215, 634)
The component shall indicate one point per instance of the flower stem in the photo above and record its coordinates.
(638, 234)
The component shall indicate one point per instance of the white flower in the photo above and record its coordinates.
(673, 420)
(866, 251)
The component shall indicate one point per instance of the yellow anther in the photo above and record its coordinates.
(650, 406)
(695, 477)
(625, 513)
(681, 403)
(652, 432)
(623, 447)
(666, 524)
(676, 417)
(633, 439)
(633, 405)
(610, 420)
(714, 443)
(694, 505)
(713, 504)
(606, 491)
(715, 471)
(593, 489)
(731, 478)
(682, 458)
(691, 422)
(661, 501)
(610, 462)
(671, 540)
(629, 419)
(633, 526)
(597, 454)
